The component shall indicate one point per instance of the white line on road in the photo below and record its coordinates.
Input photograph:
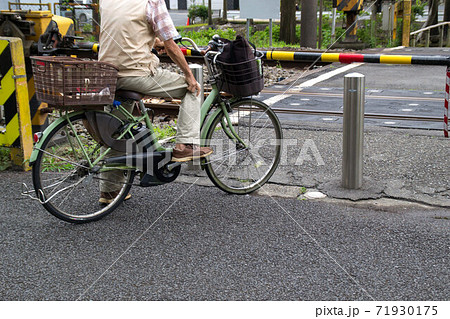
(270, 101)
(277, 98)
(326, 76)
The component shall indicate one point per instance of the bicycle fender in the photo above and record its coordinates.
(207, 124)
(49, 128)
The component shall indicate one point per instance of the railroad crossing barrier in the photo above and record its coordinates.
(15, 127)
(315, 57)
(371, 58)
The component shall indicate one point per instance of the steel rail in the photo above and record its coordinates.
(366, 115)
(170, 108)
(378, 97)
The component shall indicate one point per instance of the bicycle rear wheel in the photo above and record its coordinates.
(241, 167)
(64, 180)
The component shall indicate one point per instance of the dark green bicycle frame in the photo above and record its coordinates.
(204, 112)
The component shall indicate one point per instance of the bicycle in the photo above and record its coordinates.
(72, 154)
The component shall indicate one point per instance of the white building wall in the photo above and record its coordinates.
(216, 4)
(173, 4)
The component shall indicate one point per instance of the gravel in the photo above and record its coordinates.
(272, 74)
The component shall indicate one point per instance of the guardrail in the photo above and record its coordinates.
(427, 30)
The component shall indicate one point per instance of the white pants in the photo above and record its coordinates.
(169, 84)
(162, 84)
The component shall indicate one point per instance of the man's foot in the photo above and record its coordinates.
(108, 197)
(189, 152)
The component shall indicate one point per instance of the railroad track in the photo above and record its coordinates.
(366, 115)
(367, 96)
(171, 108)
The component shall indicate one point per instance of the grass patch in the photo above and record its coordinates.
(190, 27)
(164, 131)
(5, 158)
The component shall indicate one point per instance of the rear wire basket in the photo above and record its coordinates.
(243, 78)
(65, 81)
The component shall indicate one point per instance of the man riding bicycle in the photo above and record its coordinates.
(129, 31)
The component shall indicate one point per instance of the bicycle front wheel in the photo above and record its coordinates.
(66, 181)
(247, 152)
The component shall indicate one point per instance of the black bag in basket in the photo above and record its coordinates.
(241, 68)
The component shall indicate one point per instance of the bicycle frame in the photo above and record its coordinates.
(205, 120)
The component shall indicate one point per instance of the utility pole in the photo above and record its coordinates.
(446, 19)
(210, 20)
(320, 23)
(308, 27)
(225, 10)
(287, 21)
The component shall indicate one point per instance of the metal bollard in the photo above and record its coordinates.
(353, 133)
(197, 71)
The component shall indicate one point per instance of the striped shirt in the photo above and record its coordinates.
(159, 19)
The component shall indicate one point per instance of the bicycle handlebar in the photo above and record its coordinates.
(214, 46)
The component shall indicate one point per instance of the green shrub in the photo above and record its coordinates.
(197, 11)
(261, 38)
(5, 158)
(202, 37)
(87, 28)
(418, 9)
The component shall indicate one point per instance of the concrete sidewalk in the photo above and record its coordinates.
(400, 166)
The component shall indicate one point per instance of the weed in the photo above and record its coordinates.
(164, 131)
(5, 158)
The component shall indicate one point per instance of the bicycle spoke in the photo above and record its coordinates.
(244, 170)
(66, 183)
(70, 192)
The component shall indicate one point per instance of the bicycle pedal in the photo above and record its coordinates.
(149, 180)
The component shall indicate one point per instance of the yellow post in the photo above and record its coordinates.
(397, 8)
(406, 22)
(17, 130)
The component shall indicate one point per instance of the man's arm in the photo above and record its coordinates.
(177, 56)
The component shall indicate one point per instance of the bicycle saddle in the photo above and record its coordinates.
(132, 95)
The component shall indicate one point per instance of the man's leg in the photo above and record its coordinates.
(112, 181)
(169, 84)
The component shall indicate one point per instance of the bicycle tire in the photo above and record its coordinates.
(230, 159)
(60, 163)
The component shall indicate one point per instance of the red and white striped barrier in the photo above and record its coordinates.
(447, 96)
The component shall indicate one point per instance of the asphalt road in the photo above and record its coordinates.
(183, 242)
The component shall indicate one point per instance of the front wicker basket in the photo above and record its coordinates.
(65, 81)
(243, 78)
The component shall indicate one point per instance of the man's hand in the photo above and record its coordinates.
(193, 85)
(159, 46)
(175, 54)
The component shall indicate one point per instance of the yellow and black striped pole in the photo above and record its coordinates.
(344, 57)
(16, 129)
(352, 57)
